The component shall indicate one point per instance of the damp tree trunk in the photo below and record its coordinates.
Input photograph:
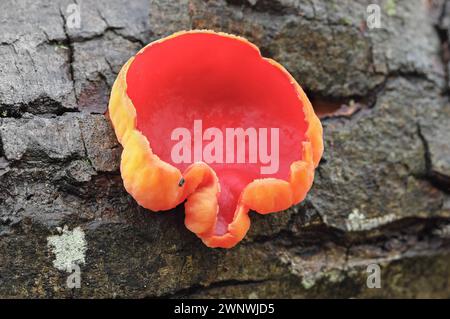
(381, 192)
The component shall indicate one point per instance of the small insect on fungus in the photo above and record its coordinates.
(204, 119)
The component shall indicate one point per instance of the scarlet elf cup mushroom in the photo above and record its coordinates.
(204, 119)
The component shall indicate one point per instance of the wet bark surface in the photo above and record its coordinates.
(381, 192)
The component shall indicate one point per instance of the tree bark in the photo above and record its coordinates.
(381, 192)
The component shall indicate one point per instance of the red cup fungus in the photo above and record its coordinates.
(204, 119)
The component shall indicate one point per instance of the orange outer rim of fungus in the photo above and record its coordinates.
(143, 172)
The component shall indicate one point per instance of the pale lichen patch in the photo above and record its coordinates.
(357, 221)
(69, 248)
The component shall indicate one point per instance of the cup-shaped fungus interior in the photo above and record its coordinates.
(213, 98)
